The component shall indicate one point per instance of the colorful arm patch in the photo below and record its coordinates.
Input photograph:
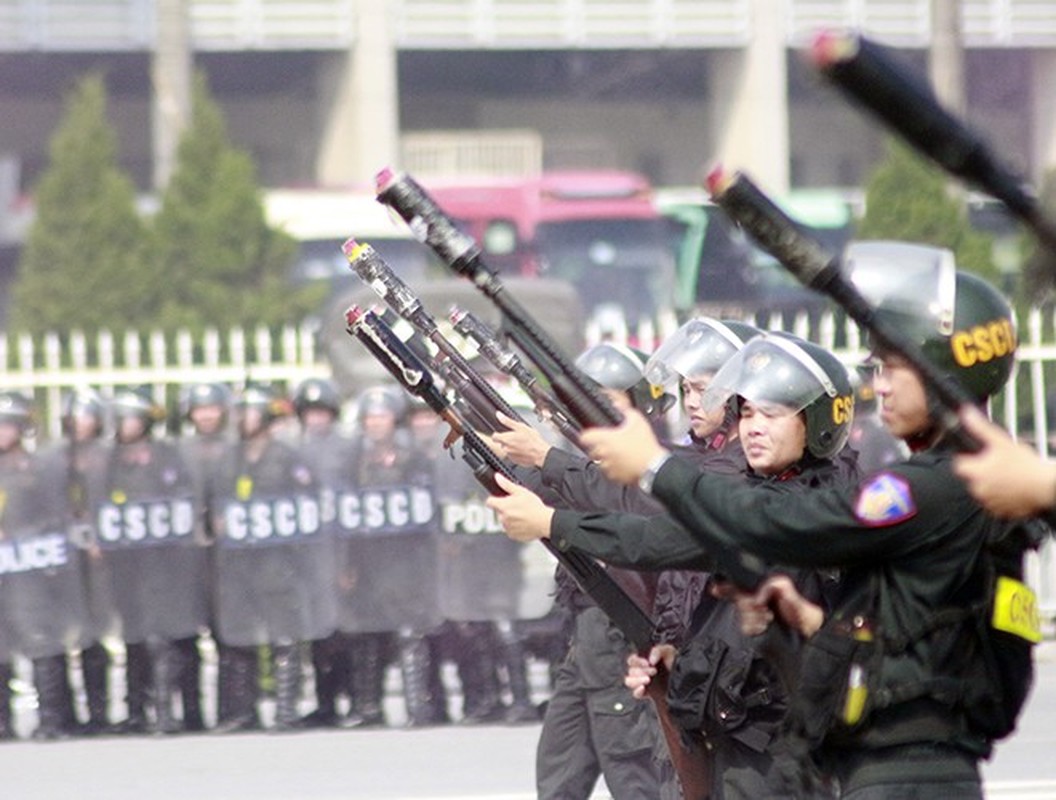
(885, 500)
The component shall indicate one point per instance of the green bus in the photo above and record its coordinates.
(721, 273)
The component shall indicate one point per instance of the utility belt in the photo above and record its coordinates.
(909, 763)
(724, 689)
(953, 690)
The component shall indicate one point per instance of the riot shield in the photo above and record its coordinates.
(483, 575)
(43, 599)
(386, 559)
(271, 569)
(149, 577)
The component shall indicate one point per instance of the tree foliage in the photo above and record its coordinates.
(219, 262)
(82, 263)
(908, 199)
(1039, 271)
(206, 259)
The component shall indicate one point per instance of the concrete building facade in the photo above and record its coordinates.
(327, 92)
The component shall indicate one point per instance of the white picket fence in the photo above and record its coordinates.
(51, 365)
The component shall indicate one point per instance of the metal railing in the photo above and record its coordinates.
(573, 23)
(116, 25)
(53, 364)
(499, 152)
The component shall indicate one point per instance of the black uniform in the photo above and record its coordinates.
(723, 687)
(43, 608)
(387, 580)
(203, 454)
(910, 541)
(330, 456)
(77, 471)
(149, 588)
(272, 585)
(480, 585)
(593, 725)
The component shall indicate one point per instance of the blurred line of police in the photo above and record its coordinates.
(310, 553)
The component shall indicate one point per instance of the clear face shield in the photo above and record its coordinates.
(699, 347)
(770, 372)
(914, 284)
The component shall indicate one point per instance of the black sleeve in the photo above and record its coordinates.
(830, 526)
(678, 592)
(581, 485)
(653, 542)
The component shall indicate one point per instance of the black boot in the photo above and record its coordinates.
(7, 729)
(165, 668)
(414, 670)
(515, 665)
(138, 680)
(437, 690)
(188, 683)
(95, 665)
(478, 673)
(367, 680)
(237, 686)
(326, 657)
(49, 679)
(286, 671)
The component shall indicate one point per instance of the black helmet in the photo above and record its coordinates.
(784, 369)
(617, 367)
(16, 409)
(701, 346)
(611, 365)
(382, 400)
(317, 393)
(199, 395)
(961, 323)
(82, 402)
(137, 402)
(265, 398)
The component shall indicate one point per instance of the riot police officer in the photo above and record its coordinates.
(317, 404)
(205, 408)
(592, 726)
(480, 585)
(894, 696)
(149, 584)
(724, 686)
(387, 567)
(43, 609)
(77, 467)
(270, 543)
(16, 484)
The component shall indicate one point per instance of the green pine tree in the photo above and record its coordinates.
(82, 263)
(1039, 271)
(219, 263)
(907, 199)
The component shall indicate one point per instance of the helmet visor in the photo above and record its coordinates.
(700, 347)
(914, 282)
(769, 371)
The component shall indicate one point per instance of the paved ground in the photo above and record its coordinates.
(483, 763)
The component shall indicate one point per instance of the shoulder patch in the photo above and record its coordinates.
(885, 499)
